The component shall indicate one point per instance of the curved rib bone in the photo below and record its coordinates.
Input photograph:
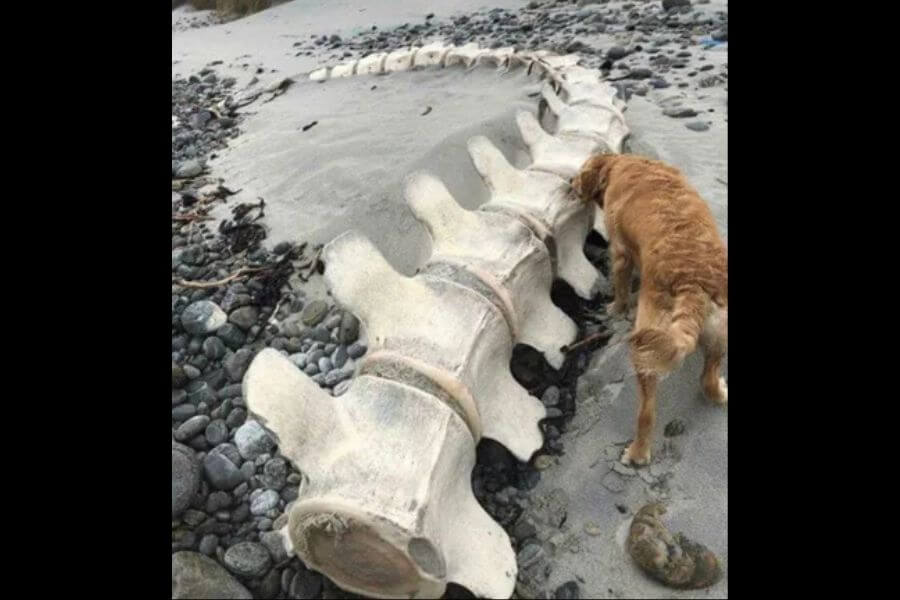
(464, 55)
(344, 70)
(546, 198)
(386, 507)
(504, 255)
(439, 334)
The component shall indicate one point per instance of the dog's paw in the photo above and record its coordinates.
(722, 400)
(633, 456)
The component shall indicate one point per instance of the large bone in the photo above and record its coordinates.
(463, 55)
(386, 507)
(371, 64)
(438, 334)
(549, 207)
(498, 57)
(510, 263)
(400, 60)
(602, 120)
(431, 54)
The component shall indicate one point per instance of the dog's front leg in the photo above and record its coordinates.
(622, 267)
(639, 450)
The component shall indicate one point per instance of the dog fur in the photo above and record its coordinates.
(657, 222)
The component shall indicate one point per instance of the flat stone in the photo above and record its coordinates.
(249, 559)
(314, 313)
(197, 576)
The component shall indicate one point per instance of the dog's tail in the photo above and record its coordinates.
(659, 351)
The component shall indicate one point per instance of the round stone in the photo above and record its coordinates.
(185, 477)
(214, 348)
(244, 317)
(221, 473)
(264, 502)
(314, 312)
(191, 428)
(252, 440)
(216, 432)
(203, 317)
(249, 559)
(197, 576)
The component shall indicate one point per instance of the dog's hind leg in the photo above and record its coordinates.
(622, 268)
(714, 341)
(639, 450)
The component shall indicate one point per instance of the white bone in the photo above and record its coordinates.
(344, 70)
(320, 74)
(386, 507)
(399, 60)
(449, 334)
(503, 254)
(431, 54)
(371, 64)
(547, 198)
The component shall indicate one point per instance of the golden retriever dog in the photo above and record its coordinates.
(657, 222)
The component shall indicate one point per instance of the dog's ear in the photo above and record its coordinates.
(590, 183)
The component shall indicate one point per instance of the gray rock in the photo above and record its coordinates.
(305, 584)
(274, 543)
(616, 52)
(342, 387)
(252, 440)
(179, 378)
(339, 356)
(202, 317)
(221, 473)
(191, 428)
(324, 364)
(198, 576)
(244, 317)
(697, 126)
(208, 544)
(236, 364)
(214, 348)
(311, 369)
(332, 321)
(185, 477)
(680, 112)
(338, 375)
(264, 502)
(314, 312)
(550, 396)
(640, 73)
(216, 501)
(191, 371)
(216, 432)
(178, 397)
(298, 359)
(183, 412)
(355, 350)
(189, 168)
(349, 329)
(529, 555)
(275, 473)
(670, 4)
(236, 418)
(232, 335)
(249, 559)
(270, 585)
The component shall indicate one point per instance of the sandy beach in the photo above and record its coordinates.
(328, 157)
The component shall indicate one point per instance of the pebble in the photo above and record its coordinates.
(299, 359)
(275, 473)
(314, 312)
(216, 432)
(185, 477)
(342, 387)
(355, 350)
(197, 576)
(237, 364)
(249, 559)
(274, 543)
(214, 348)
(236, 418)
(697, 126)
(550, 396)
(568, 591)
(202, 318)
(337, 376)
(680, 112)
(191, 427)
(221, 472)
(543, 462)
(216, 501)
(208, 544)
(244, 317)
(232, 336)
(179, 378)
(252, 440)
(264, 502)
(592, 529)
(311, 369)
(189, 168)
(339, 357)
(332, 321)
(178, 397)
(324, 364)
(528, 555)
(616, 52)
(270, 586)
(305, 584)
(183, 412)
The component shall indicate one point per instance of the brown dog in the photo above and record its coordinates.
(658, 222)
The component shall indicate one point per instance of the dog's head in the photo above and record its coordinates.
(590, 183)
